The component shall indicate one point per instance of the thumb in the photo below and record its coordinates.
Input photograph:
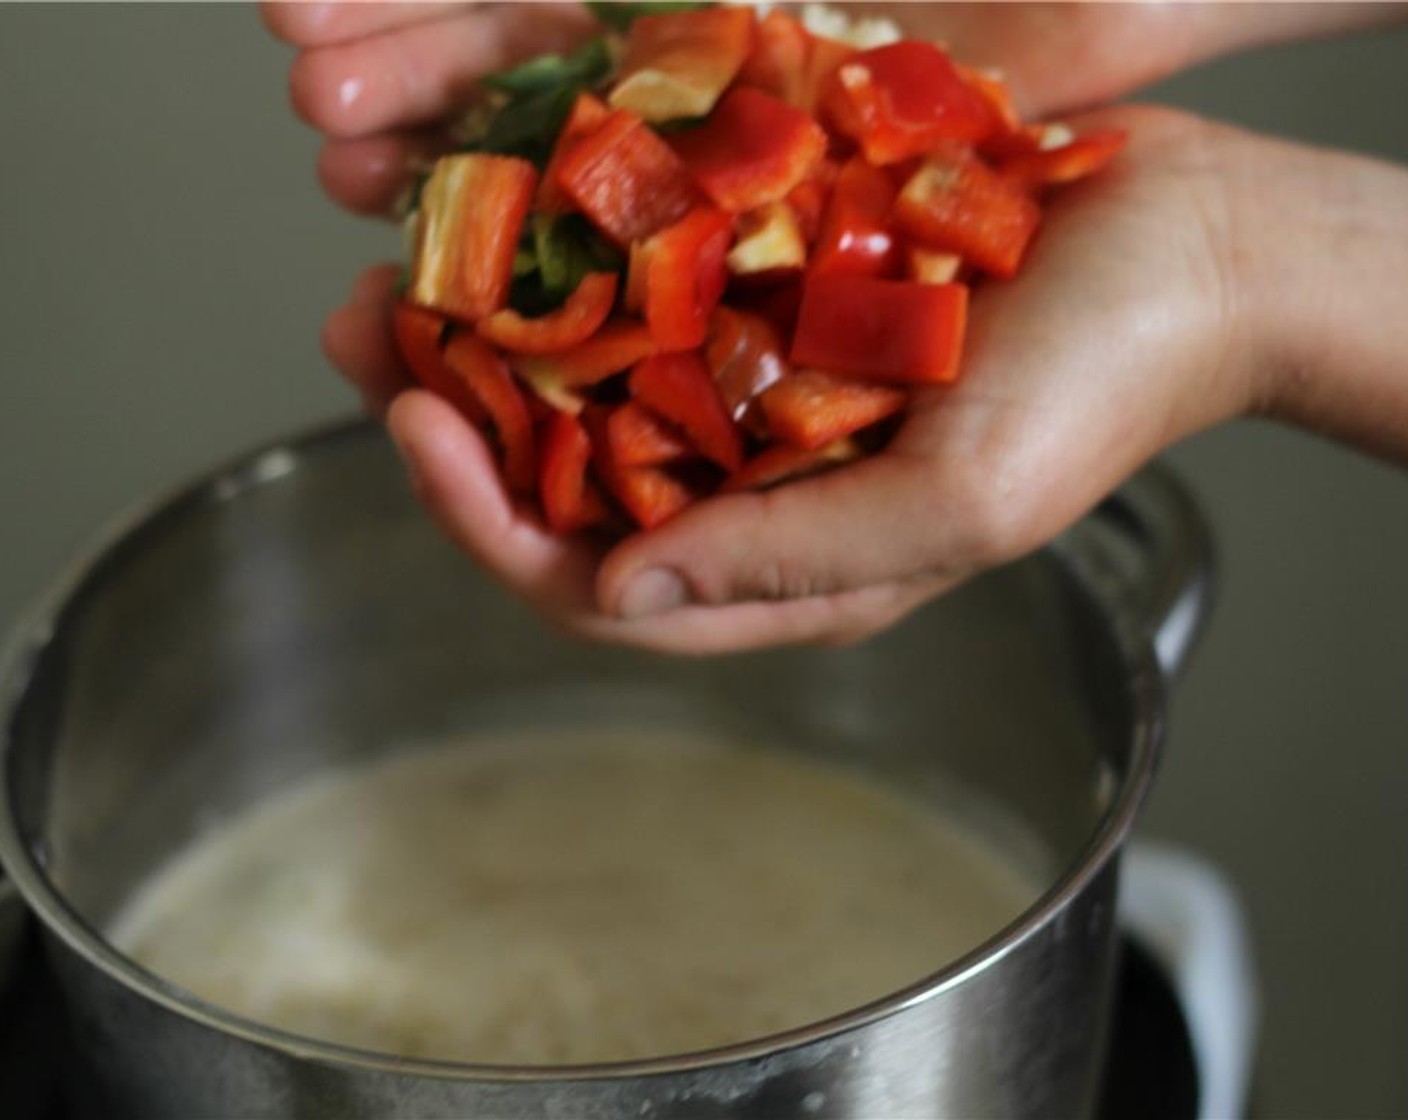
(891, 519)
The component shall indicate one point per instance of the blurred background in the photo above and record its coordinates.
(167, 259)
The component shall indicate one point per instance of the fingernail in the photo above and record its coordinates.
(654, 591)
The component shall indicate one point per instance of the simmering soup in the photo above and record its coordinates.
(575, 898)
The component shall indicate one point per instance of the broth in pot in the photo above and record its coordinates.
(567, 898)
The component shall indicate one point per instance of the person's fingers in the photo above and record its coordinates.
(304, 23)
(455, 477)
(1073, 377)
(419, 74)
(1059, 57)
(358, 341)
(370, 175)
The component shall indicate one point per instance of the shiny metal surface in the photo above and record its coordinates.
(296, 612)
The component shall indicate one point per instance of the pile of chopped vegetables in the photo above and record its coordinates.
(713, 251)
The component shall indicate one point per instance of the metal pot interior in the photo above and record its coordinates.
(299, 613)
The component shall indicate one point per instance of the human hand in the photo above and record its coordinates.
(1145, 313)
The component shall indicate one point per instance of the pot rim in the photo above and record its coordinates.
(274, 460)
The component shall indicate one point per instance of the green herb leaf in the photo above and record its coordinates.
(620, 16)
(564, 250)
(586, 66)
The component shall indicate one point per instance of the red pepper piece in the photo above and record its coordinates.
(955, 203)
(636, 437)
(778, 62)
(932, 266)
(678, 64)
(993, 90)
(616, 347)
(811, 409)
(808, 201)
(856, 232)
(678, 388)
(649, 495)
(486, 375)
(770, 241)
(824, 57)
(678, 276)
(782, 463)
(903, 100)
(892, 330)
(420, 337)
(626, 179)
(570, 501)
(1083, 156)
(586, 117)
(744, 355)
(752, 150)
(472, 210)
(570, 325)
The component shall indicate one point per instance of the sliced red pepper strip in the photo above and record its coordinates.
(588, 113)
(856, 232)
(770, 240)
(616, 347)
(745, 356)
(649, 495)
(892, 330)
(1083, 156)
(420, 337)
(486, 375)
(678, 64)
(782, 463)
(901, 100)
(777, 63)
(471, 213)
(752, 150)
(678, 276)
(955, 203)
(570, 501)
(626, 179)
(570, 325)
(636, 437)
(811, 409)
(678, 388)
(824, 57)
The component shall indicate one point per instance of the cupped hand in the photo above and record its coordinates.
(1123, 334)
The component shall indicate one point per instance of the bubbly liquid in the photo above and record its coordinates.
(582, 898)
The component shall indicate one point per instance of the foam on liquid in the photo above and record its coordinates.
(568, 899)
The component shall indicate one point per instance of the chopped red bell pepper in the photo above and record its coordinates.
(570, 325)
(420, 337)
(777, 63)
(770, 241)
(616, 347)
(955, 203)
(588, 113)
(824, 57)
(745, 356)
(678, 64)
(486, 375)
(856, 232)
(636, 437)
(678, 388)
(993, 89)
(1085, 155)
(811, 409)
(471, 212)
(678, 276)
(932, 266)
(808, 201)
(626, 179)
(902, 100)
(781, 463)
(650, 495)
(892, 330)
(752, 150)
(570, 500)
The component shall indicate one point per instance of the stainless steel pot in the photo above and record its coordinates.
(296, 611)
